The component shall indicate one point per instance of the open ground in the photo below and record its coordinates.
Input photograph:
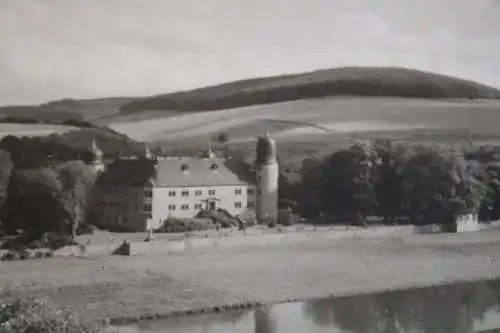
(313, 126)
(32, 129)
(312, 266)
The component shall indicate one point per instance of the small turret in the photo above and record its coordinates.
(96, 151)
(98, 161)
(209, 153)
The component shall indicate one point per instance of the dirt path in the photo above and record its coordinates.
(204, 278)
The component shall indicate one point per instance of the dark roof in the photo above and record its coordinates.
(133, 172)
(266, 150)
(193, 171)
(178, 172)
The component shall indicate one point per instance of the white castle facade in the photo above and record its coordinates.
(138, 194)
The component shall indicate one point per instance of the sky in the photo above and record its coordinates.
(53, 49)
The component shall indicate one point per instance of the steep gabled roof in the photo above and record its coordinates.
(193, 171)
(178, 172)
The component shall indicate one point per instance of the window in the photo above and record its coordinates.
(171, 193)
(250, 190)
(147, 207)
(211, 192)
(214, 167)
(184, 167)
(197, 206)
(184, 207)
(250, 204)
(237, 204)
(185, 193)
(171, 207)
(148, 194)
(237, 191)
(197, 193)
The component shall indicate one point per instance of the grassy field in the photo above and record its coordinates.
(313, 266)
(32, 129)
(316, 125)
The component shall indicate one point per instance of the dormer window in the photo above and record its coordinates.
(214, 167)
(184, 167)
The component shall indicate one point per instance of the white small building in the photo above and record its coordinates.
(138, 194)
(468, 222)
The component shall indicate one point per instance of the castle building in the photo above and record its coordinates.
(139, 193)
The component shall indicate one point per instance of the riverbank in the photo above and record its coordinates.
(205, 278)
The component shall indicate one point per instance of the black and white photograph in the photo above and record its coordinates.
(249, 166)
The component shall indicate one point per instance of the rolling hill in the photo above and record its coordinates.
(347, 81)
(318, 126)
(308, 113)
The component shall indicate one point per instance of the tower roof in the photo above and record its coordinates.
(266, 149)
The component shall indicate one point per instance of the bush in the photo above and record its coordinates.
(286, 217)
(85, 229)
(46, 241)
(183, 225)
(31, 315)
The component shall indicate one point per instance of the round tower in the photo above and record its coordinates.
(267, 173)
(97, 163)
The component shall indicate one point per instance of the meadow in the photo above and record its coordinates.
(315, 126)
(32, 129)
(297, 266)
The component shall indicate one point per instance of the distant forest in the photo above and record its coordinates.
(349, 81)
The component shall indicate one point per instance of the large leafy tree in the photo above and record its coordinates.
(33, 202)
(6, 166)
(77, 181)
(348, 185)
(441, 184)
(388, 178)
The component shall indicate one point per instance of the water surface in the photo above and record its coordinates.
(458, 308)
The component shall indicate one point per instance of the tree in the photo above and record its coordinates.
(222, 138)
(33, 202)
(388, 178)
(6, 166)
(311, 199)
(348, 186)
(441, 184)
(77, 181)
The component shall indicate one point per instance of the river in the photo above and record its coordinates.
(463, 308)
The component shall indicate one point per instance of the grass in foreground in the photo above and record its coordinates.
(35, 315)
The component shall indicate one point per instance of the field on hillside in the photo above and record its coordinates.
(32, 129)
(316, 125)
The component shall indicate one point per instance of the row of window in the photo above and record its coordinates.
(237, 204)
(185, 193)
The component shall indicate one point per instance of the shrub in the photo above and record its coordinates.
(46, 241)
(173, 224)
(32, 315)
(286, 217)
(85, 229)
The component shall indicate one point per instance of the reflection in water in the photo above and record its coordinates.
(264, 320)
(440, 309)
(458, 308)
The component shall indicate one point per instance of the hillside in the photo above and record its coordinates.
(317, 126)
(347, 81)
(67, 109)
